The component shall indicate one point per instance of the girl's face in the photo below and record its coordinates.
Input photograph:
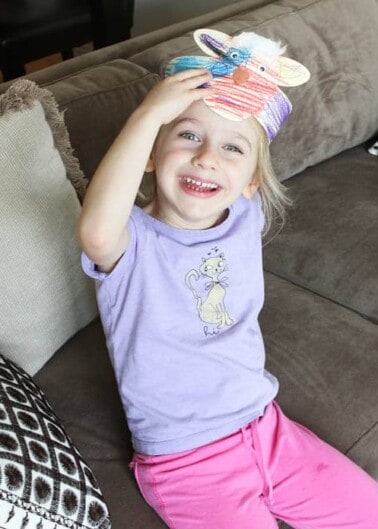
(203, 163)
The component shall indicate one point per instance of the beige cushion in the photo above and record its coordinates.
(44, 296)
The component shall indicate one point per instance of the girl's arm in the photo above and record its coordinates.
(110, 197)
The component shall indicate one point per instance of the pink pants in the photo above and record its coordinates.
(271, 468)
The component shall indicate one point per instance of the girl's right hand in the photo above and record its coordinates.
(171, 96)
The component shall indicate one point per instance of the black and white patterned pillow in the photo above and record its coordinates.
(44, 481)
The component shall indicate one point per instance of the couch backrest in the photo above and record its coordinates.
(98, 91)
(337, 109)
(337, 41)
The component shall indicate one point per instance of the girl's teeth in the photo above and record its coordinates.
(198, 185)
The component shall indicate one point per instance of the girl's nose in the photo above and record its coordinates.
(205, 157)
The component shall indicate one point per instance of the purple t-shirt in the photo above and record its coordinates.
(179, 313)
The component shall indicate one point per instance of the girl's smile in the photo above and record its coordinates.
(199, 187)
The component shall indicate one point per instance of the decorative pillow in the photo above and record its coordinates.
(44, 481)
(45, 297)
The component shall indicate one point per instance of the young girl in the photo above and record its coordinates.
(180, 288)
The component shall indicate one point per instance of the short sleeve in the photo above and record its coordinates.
(126, 261)
(89, 268)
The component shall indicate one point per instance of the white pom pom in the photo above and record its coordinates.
(259, 44)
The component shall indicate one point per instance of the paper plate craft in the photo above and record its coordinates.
(247, 71)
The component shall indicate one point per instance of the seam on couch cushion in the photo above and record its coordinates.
(317, 293)
(362, 436)
(35, 75)
(192, 47)
(364, 451)
(110, 90)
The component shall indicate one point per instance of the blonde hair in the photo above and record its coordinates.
(274, 197)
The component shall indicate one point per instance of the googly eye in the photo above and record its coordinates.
(261, 68)
(234, 55)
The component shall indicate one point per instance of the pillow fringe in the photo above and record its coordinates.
(22, 95)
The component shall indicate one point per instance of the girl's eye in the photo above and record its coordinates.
(189, 136)
(233, 148)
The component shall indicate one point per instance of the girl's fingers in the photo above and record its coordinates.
(198, 82)
(174, 94)
(190, 78)
(188, 74)
(201, 93)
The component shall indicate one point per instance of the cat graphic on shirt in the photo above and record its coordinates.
(212, 309)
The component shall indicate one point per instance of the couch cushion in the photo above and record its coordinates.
(327, 374)
(325, 357)
(80, 385)
(338, 107)
(45, 297)
(330, 242)
(97, 102)
(364, 450)
(44, 481)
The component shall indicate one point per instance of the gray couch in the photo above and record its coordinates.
(321, 271)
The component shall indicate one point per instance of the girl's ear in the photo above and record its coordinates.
(150, 167)
(253, 186)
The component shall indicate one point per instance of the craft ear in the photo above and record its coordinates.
(200, 36)
(291, 72)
